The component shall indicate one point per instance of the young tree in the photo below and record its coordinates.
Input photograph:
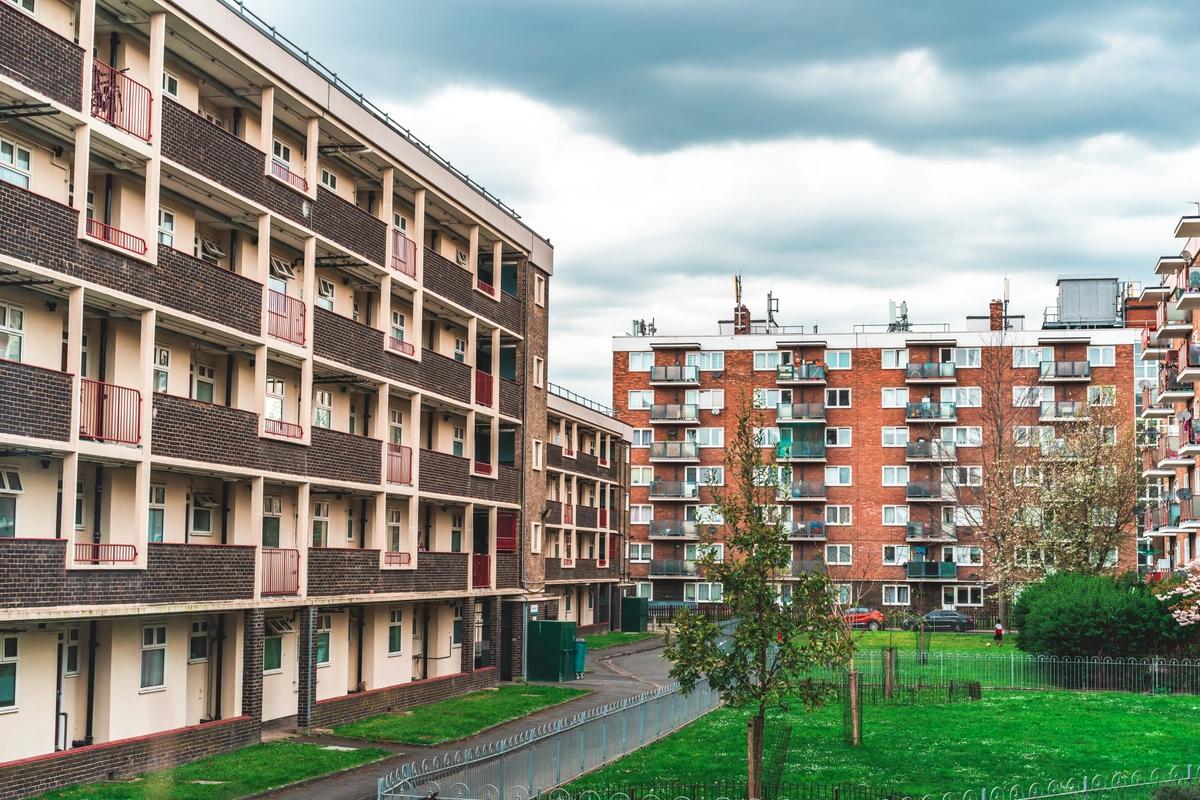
(765, 656)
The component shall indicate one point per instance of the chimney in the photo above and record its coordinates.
(996, 315)
(741, 320)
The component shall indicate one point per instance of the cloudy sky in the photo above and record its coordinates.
(838, 154)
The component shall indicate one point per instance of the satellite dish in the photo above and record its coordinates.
(1184, 493)
(1184, 416)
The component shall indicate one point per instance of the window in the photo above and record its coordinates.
(963, 396)
(641, 476)
(837, 359)
(895, 437)
(1102, 395)
(841, 593)
(395, 632)
(894, 359)
(769, 360)
(535, 537)
(12, 331)
(154, 656)
(640, 399)
(1031, 356)
(769, 398)
(325, 294)
(838, 553)
(640, 552)
(961, 356)
(158, 510)
(272, 653)
(895, 476)
(695, 552)
(170, 84)
(894, 554)
(837, 515)
(460, 350)
(963, 556)
(202, 513)
(78, 502)
(162, 368)
(15, 163)
(1033, 435)
(328, 179)
(274, 404)
(70, 653)
(766, 437)
(895, 515)
(645, 589)
(895, 398)
(322, 408)
(707, 437)
(198, 641)
(963, 436)
(962, 596)
(8, 671)
(1031, 396)
(320, 524)
(1102, 356)
(539, 371)
(705, 398)
(837, 476)
(966, 516)
(963, 476)
(537, 453)
(1108, 434)
(641, 514)
(27, 5)
(324, 628)
(1031, 476)
(837, 398)
(461, 257)
(837, 437)
(641, 361)
(643, 437)
(896, 594)
(539, 290)
(705, 515)
(166, 227)
(205, 380)
(458, 436)
(705, 476)
(706, 360)
(281, 153)
(702, 592)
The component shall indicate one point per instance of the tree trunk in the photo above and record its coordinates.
(889, 672)
(754, 749)
(1001, 604)
(855, 710)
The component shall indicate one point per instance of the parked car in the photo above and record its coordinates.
(943, 620)
(869, 618)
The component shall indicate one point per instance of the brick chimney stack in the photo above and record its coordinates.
(996, 315)
(741, 320)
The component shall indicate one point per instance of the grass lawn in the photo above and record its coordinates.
(938, 642)
(458, 717)
(1004, 739)
(599, 641)
(237, 774)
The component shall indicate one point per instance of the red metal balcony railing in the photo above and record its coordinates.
(285, 317)
(568, 514)
(120, 101)
(281, 171)
(88, 553)
(404, 253)
(394, 559)
(280, 571)
(485, 287)
(483, 468)
(401, 346)
(277, 427)
(109, 413)
(602, 517)
(484, 388)
(115, 236)
(506, 533)
(481, 571)
(399, 464)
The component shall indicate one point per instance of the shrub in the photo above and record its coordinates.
(1070, 614)
(1182, 791)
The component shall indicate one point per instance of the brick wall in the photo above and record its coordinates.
(510, 398)
(345, 456)
(582, 463)
(443, 473)
(584, 570)
(467, 651)
(252, 663)
(209, 291)
(125, 757)
(337, 710)
(585, 516)
(39, 58)
(36, 401)
(33, 574)
(334, 571)
(306, 668)
(454, 283)
(350, 226)
(508, 570)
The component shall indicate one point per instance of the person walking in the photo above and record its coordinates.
(999, 633)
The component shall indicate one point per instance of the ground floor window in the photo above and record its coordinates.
(198, 641)
(645, 590)
(457, 629)
(395, 632)
(272, 654)
(8, 671)
(154, 656)
(962, 595)
(897, 595)
(702, 592)
(324, 628)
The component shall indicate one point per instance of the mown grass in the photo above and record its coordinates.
(1007, 738)
(225, 777)
(457, 717)
(938, 642)
(599, 641)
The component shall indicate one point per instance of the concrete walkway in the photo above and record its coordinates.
(616, 673)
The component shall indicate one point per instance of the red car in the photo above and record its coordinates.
(869, 618)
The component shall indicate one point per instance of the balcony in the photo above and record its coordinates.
(280, 571)
(1064, 371)
(285, 317)
(286, 430)
(120, 101)
(1173, 323)
(1151, 408)
(399, 464)
(811, 531)
(1170, 388)
(931, 372)
(674, 529)
(674, 414)
(674, 490)
(283, 173)
(109, 413)
(1063, 411)
(1186, 295)
(804, 491)
(930, 492)
(36, 401)
(104, 554)
(404, 253)
(1152, 349)
(115, 236)
(481, 571)
(932, 570)
(803, 567)
(1169, 452)
(677, 452)
(1162, 520)
(395, 558)
(485, 388)
(940, 531)
(673, 568)
(398, 345)
(38, 57)
(800, 375)
(936, 451)
(1187, 357)
(334, 571)
(800, 451)
(796, 413)
(678, 375)
(931, 412)
(485, 287)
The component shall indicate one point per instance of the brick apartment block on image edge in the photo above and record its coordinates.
(879, 429)
(273, 374)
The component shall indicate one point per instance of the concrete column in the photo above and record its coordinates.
(74, 353)
(383, 394)
(385, 307)
(497, 263)
(259, 398)
(468, 634)
(306, 367)
(80, 168)
(469, 444)
(266, 134)
(387, 205)
(419, 296)
(158, 40)
(253, 535)
(85, 35)
(414, 435)
(376, 538)
(493, 513)
(145, 385)
(312, 167)
(70, 476)
(473, 250)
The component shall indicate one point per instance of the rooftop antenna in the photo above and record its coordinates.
(737, 289)
(1195, 203)
(772, 307)
(1005, 321)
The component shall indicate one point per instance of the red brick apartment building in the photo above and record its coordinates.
(274, 380)
(880, 427)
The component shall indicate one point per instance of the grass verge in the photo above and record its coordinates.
(457, 717)
(938, 642)
(599, 641)
(230, 775)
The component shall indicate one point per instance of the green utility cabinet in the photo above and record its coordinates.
(635, 612)
(580, 658)
(551, 651)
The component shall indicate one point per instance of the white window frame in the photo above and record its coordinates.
(899, 516)
(893, 359)
(535, 537)
(972, 395)
(640, 552)
(894, 475)
(896, 590)
(701, 475)
(539, 290)
(1102, 355)
(837, 395)
(158, 644)
(893, 397)
(166, 226)
(12, 171)
(715, 436)
(641, 471)
(10, 653)
(642, 438)
(706, 360)
(1104, 396)
(963, 435)
(770, 360)
(901, 554)
(839, 515)
(170, 85)
(705, 399)
(641, 360)
(1028, 357)
(536, 450)
(395, 620)
(11, 334)
(894, 436)
(324, 628)
(641, 513)
(842, 554)
(838, 360)
(197, 628)
(703, 592)
(539, 371)
(636, 399)
(955, 591)
(841, 469)
(326, 294)
(328, 179)
(838, 436)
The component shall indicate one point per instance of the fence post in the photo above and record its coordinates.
(557, 760)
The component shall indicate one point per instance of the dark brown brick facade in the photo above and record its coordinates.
(452, 282)
(336, 710)
(36, 401)
(33, 574)
(510, 398)
(508, 570)
(585, 569)
(38, 57)
(334, 571)
(583, 463)
(208, 291)
(442, 473)
(345, 223)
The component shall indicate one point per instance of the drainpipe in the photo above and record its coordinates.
(220, 659)
(237, 122)
(424, 641)
(58, 692)
(91, 683)
(362, 524)
(113, 41)
(108, 187)
(358, 683)
(224, 512)
(233, 249)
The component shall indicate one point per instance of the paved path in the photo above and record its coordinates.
(615, 674)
